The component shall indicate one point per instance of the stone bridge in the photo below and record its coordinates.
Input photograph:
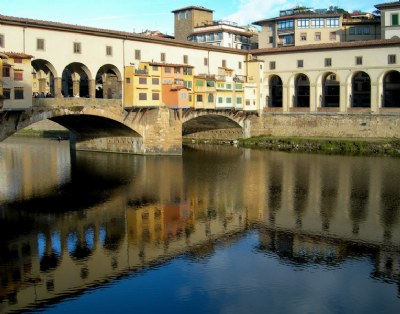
(105, 125)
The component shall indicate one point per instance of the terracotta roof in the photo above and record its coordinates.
(296, 16)
(192, 7)
(395, 4)
(332, 46)
(26, 22)
(226, 30)
(19, 55)
(171, 65)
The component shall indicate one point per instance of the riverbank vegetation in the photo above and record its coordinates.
(365, 147)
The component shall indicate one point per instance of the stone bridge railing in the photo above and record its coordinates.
(72, 102)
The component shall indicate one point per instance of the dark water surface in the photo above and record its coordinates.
(217, 230)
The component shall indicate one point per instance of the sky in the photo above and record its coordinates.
(140, 15)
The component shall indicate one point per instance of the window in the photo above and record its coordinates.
(219, 36)
(137, 54)
(1, 40)
(303, 23)
(391, 59)
(155, 81)
(167, 70)
(228, 100)
(239, 100)
(224, 63)
(17, 60)
(142, 80)
(359, 30)
(39, 44)
(154, 68)
(286, 24)
(332, 36)
(238, 86)
(303, 36)
(18, 76)
(185, 59)
(6, 71)
(332, 22)
(300, 63)
(142, 96)
(6, 93)
(155, 96)
(210, 98)
(272, 65)
(220, 100)
(212, 37)
(395, 19)
(18, 93)
(187, 14)
(317, 23)
(359, 60)
(77, 48)
(271, 39)
(317, 36)
(108, 51)
(210, 83)
(199, 98)
(128, 80)
(352, 30)
(180, 15)
(228, 86)
(240, 65)
(199, 83)
(328, 62)
(205, 61)
(163, 57)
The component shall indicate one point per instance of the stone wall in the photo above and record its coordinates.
(327, 125)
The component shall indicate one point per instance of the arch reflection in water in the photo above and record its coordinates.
(306, 209)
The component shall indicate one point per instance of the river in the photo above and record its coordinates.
(218, 230)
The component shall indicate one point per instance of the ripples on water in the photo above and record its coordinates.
(218, 230)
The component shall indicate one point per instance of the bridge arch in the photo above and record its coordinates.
(361, 90)
(391, 89)
(76, 81)
(109, 82)
(275, 91)
(302, 91)
(330, 97)
(43, 74)
(211, 120)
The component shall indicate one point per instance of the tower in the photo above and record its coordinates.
(189, 17)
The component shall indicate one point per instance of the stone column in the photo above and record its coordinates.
(42, 85)
(57, 87)
(75, 87)
(92, 88)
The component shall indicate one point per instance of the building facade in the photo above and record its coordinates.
(390, 13)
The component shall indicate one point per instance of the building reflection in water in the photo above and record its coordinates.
(143, 211)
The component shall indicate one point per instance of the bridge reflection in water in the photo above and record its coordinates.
(86, 220)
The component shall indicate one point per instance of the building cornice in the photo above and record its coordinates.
(330, 46)
(70, 28)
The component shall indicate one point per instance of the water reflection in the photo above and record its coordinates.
(108, 215)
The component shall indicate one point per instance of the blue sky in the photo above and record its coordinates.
(137, 16)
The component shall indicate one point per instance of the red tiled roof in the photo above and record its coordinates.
(344, 45)
(395, 4)
(19, 55)
(26, 22)
(192, 7)
(171, 65)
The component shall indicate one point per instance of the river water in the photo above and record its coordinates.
(217, 230)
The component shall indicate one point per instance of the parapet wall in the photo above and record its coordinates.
(327, 125)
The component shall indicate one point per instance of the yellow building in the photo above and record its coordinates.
(229, 90)
(204, 92)
(2, 56)
(143, 86)
(16, 81)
